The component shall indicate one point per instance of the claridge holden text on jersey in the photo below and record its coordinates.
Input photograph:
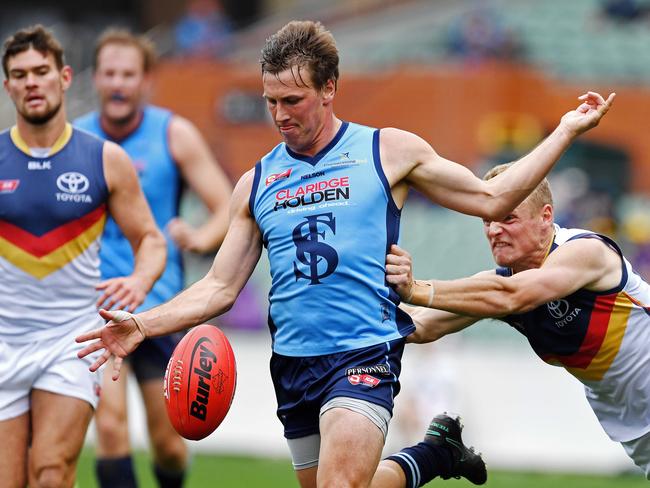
(313, 187)
(315, 197)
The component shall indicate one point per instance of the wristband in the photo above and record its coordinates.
(429, 285)
(122, 315)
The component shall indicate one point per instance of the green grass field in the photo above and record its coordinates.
(238, 472)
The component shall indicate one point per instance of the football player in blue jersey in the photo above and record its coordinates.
(570, 292)
(168, 151)
(326, 204)
(57, 185)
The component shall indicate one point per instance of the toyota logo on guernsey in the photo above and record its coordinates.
(559, 309)
(73, 185)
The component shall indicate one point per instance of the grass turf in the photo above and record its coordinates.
(238, 472)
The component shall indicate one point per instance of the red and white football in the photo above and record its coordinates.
(200, 382)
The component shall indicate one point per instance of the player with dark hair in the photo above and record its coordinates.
(571, 292)
(57, 185)
(326, 204)
(167, 151)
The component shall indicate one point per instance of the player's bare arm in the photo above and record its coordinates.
(127, 205)
(431, 324)
(206, 178)
(408, 159)
(214, 294)
(583, 263)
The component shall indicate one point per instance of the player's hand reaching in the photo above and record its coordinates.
(399, 271)
(187, 237)
(127, 292)
(118, 338)
(588, 113)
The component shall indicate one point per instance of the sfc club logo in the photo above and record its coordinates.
(320, 259)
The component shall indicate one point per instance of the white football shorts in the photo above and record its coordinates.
(639, 451)
(51, 365)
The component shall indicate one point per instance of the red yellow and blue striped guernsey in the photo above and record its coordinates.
(53, 207)
(603, 339)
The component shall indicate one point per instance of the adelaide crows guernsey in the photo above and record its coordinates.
(52, 212)
(160, 180)
(327, 222)
(603, 339)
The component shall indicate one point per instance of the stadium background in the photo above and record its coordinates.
(482, 81)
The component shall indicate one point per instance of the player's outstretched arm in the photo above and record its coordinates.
(128, 206)
(206, 178)
(583, 263)
(407, 159)
(212, 295)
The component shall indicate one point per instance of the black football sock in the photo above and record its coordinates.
(423, 462)
(169, 478)
(115, 472)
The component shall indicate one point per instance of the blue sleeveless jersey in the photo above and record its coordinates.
(327, 222)
(160, 180)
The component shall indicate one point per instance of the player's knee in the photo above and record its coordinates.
(171, 454)
(112, 430)
(51, 476)
(339, 480)
(341, 477)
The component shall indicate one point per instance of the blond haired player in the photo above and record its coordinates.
(571, 292)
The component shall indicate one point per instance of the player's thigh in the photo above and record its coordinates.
(113, 399)
(14, 439)
(59, 425)
(160, 428)
(111, 416)
(351, 446)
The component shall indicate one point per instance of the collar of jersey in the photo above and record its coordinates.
(313, 160)
(59, 144)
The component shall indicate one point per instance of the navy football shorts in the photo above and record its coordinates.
(149, 360)
(304, 384)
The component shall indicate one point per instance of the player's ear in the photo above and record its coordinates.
(328, 91)
(547, 213)
(66, 76)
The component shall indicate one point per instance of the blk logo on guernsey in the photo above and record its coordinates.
(8, 186)
(39, 165)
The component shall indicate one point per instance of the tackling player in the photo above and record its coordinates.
(571, 292)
